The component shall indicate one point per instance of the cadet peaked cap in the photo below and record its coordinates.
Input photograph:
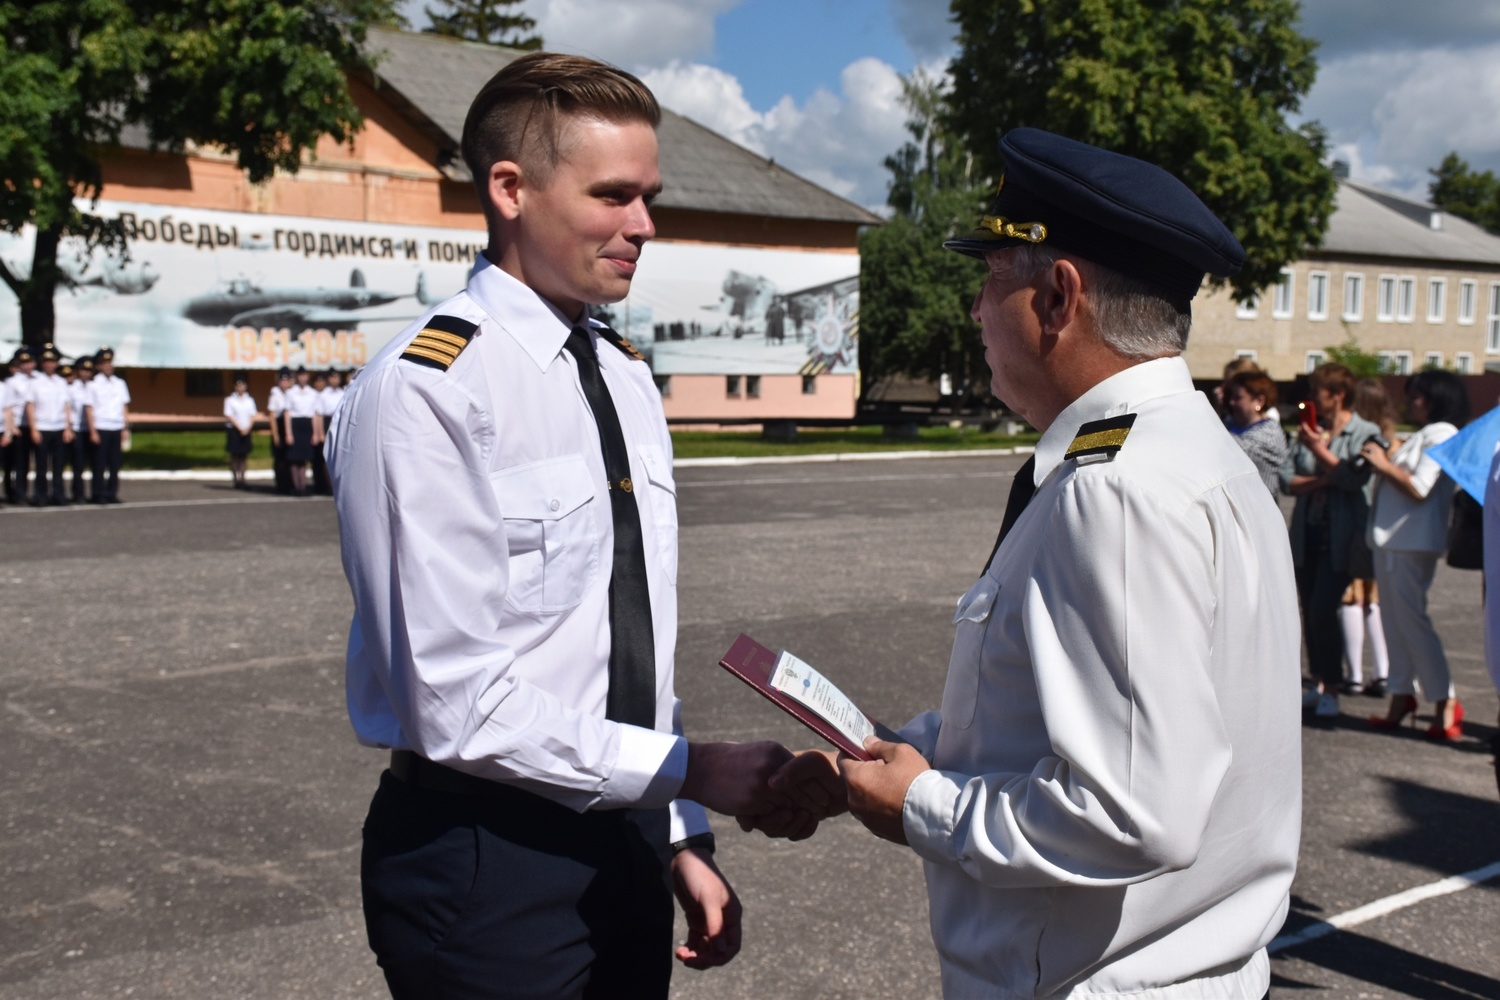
(104, 354)
(283, 372)
(23, 353)
(1126, 214)
(64, 369)
(49, 353)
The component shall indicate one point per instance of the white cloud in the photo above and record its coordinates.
(837, 141)
(1394, 115)
(926, 27)
(632, 33)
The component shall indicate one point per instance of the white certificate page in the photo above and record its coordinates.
(805, 685)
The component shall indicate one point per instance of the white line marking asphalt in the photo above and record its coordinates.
(138, 504)
(1381, 907)
(783, 481)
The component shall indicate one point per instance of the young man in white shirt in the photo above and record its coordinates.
(108, 419)
(503, 477)
(49, 414)
(17, 454)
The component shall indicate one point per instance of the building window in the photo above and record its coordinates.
(1467, 294)
(1281, 297)
(201, 382)
(732, 386)
(1463, 362)
(1313, 360)
(752, 386)
(1406, 299)
(1317, 295)
(809, 385)
(1354, 297)
(1432, 359)
(1395, 362)
(1385, 299)
(1492, 333)
(1437, 295)
(663, 385)
(1247, 310)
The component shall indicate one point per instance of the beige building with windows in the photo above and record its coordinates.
(1403, 279)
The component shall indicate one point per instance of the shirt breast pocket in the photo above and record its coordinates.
(662, 496)
(971, 620)
(550, 533)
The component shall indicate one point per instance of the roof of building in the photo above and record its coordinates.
(1370, 222)
(432, 79)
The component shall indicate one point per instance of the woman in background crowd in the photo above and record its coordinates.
(1247, 397)
(1360, 613)
(239, 419)
(1328, 518)
(1408, 531)
(1236, 367)
(303, 430)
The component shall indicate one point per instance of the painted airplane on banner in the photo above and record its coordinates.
(243, 303)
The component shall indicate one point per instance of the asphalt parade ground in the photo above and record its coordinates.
(182, 797)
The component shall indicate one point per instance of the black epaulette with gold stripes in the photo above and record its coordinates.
(620, 342)
(1100, 440)
(439, 343)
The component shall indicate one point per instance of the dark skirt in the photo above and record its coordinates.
(237, 444)
(301, 447)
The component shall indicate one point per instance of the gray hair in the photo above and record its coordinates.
(1130, 315)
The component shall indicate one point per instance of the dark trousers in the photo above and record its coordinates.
(107, 467)
(321, 484)
(1321, 588)
(17, 464)
(49, 459)
(80, 457)
(511, 896)
(280, 467)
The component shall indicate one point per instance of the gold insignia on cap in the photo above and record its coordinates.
(1031, 232)
(1100, 440)
(438, 344)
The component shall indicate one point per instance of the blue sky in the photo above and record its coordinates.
(816, 83)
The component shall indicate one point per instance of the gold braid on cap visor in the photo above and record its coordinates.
(1031, 232)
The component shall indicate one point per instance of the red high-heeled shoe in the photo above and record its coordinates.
(1438, 731)
(1402, 705)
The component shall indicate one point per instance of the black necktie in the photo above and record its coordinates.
(1021, 490)
(632, 646)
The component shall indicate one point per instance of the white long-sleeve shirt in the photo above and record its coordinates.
(478, 541)
(1115, 800)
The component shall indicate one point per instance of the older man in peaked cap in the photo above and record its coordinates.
(1107, 804)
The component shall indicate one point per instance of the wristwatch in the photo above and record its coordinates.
(702, 841)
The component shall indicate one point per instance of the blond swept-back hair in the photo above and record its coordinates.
(522, 113)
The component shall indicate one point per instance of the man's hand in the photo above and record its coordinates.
(877, 788)
(712, 909)
(733, 778)
(812, 782)
(36, 436)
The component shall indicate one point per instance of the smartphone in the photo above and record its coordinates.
(1309, 414)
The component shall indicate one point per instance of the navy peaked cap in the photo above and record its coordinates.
(1126, 214)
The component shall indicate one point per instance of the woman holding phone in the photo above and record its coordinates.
(1327, 521)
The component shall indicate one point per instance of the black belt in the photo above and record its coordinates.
(413, 769)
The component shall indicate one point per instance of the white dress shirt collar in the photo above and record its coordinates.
(536, 324)
(1122, 392)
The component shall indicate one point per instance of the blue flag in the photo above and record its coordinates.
(1466, 456)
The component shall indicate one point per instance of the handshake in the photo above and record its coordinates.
(768, 788)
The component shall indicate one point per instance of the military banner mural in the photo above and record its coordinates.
(207, 289)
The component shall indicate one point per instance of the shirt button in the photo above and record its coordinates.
(556, 504)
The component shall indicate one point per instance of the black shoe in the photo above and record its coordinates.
(1376, 688)
(113, 500)
(1351, 687)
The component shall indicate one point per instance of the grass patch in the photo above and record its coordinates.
(159, 450)
(205, 449)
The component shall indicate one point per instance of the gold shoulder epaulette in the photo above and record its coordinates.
(440, 341)
(620, 342)
(1100, 440)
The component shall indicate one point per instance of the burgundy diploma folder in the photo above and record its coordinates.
(753, 663)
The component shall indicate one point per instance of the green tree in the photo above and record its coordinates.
(914, 295)
(1363, 363)
(261, 79)
(493, 22)
(1468, 194)
(1200, 87)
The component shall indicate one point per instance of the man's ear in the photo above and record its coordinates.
(505, 183)
(1062, 296)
